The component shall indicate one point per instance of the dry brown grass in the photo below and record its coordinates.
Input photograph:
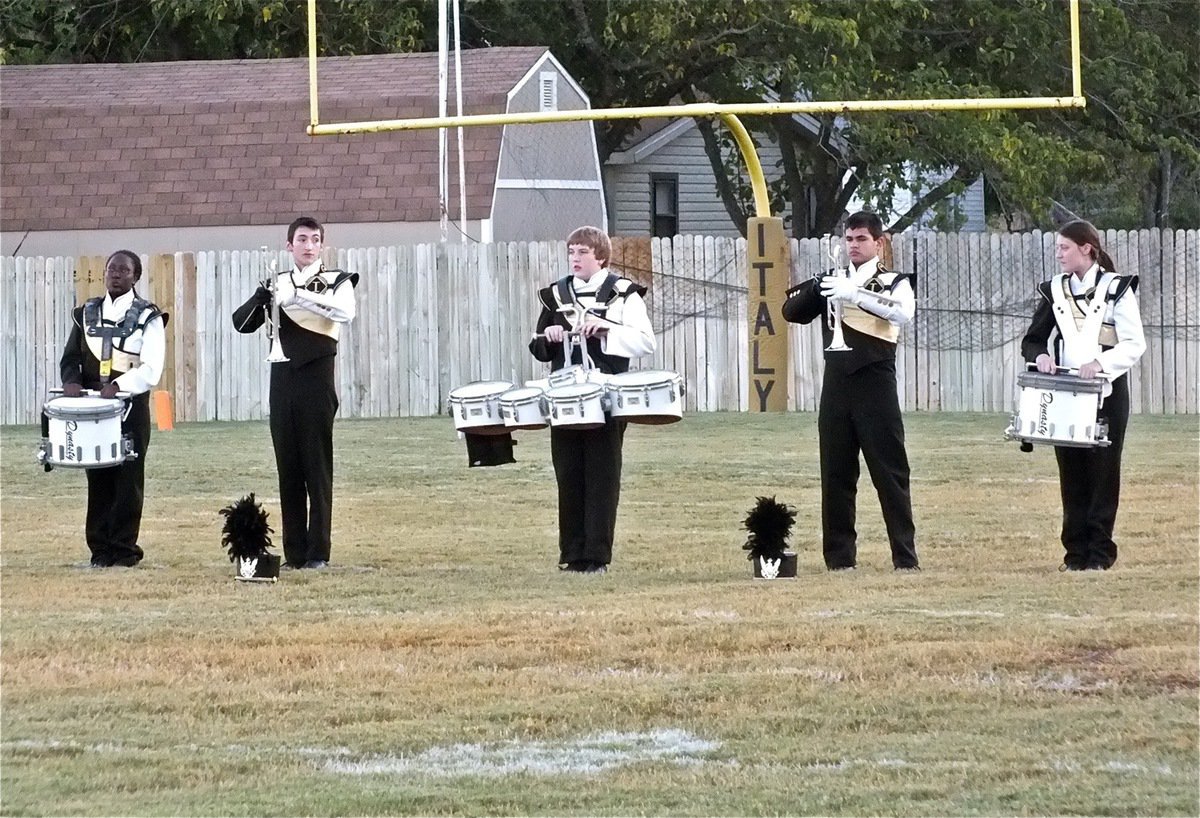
(988, 684)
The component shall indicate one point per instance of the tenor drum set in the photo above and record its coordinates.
(1059, 409)
(85, 432)
(576, 397)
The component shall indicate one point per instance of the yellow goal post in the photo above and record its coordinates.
(766, 244)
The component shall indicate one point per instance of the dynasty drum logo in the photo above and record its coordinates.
(1044, 413)
(69, 444)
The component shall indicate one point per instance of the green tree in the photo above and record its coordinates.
(119, 31)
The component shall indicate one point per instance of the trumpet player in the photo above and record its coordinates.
(863, 306)
(310, 305)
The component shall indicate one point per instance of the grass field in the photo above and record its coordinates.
(442, 666)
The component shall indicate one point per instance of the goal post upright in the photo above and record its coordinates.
(767, 244)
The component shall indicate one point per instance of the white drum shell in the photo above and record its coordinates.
(476, 407)
(524, 408)
(646, 396)
(576, 406)
(85, 432)
(1060, 410)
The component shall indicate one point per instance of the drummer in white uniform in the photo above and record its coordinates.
(137, 329)
(1093, 313)
(610, 316)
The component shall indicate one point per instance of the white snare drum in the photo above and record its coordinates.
(576, 405)
(476, 407)
(646, 396)
(85, 433)
(1058, 409)
(523, 408)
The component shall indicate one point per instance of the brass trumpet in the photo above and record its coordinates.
(275, 356)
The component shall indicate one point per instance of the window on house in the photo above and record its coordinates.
(664, 204)
(548, 83)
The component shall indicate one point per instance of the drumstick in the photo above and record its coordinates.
(568, 332)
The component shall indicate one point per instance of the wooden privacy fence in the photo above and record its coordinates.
(432, 317)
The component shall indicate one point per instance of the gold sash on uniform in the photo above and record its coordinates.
(307, 319)
(868, 324)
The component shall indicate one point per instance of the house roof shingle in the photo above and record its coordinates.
(224, 143)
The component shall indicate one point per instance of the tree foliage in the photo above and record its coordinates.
(119, 31)
(1132, 158)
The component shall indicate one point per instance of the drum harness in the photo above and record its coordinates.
(568, 304)
(95, 327)
(1078, 325)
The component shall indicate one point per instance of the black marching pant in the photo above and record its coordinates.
(860, 411)
(116, 494)
(587, 465)
(303, 404)
(1090, 480)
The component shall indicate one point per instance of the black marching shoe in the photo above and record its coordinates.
(596, 568)
(315, 565)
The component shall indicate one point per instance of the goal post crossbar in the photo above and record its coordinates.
(727, 112)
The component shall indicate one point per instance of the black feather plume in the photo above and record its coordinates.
(246, 534)
(769, 524)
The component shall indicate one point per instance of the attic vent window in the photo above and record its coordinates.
(548, 83)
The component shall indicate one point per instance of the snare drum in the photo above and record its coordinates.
(85, 433)
(1058, 409)
(577, 406)
(646, 396)
(523, 408)
(476, 407)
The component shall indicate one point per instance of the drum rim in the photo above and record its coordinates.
(533, 391)
(1059, 383)
(631, 379)
(589, 388)
(112, 408)
(495, 393)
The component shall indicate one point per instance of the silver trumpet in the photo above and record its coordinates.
(275, 356)
(833, 306)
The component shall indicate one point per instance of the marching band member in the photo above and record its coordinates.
(860, 409)
(1106, 346)
(313, 304)
(608, 313)
(137, 329)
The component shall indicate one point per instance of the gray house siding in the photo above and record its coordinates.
(700, 208)
(627, 184)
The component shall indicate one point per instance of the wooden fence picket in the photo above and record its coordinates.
(433, 317)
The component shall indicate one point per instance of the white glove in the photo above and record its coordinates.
(839, 287)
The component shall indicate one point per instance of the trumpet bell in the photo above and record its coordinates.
(276, 355)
